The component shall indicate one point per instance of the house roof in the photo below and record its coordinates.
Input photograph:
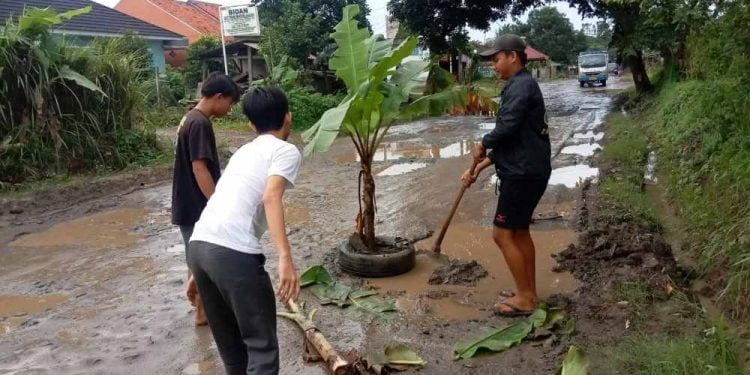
(200, 16)
(101, 21)
(533, 54)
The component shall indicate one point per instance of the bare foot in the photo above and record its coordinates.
(200, 314)
(507, 293)
(192, 290)
(515, 305)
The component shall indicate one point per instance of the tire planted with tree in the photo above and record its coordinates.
(375, 264)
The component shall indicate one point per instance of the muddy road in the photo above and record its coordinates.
(96, 287)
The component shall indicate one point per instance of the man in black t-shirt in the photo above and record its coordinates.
(520, 151)
(196, 165)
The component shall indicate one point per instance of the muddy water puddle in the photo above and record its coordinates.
(17, 309)
(473, 242)
(108, 229)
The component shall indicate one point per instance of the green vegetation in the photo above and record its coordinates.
(637, 293)
(378, 89)
(700, 126)
(682, 354)
(624, 156)
(68, 109)
(193, 72)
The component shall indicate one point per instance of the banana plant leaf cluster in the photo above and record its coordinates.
(378, 84)
(359, 304)
(544, 324)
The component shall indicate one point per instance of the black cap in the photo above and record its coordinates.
(506, 42)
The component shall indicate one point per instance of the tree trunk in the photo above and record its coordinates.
(368, 202)
(640, 76)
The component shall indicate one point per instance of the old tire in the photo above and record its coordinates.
(375, 265)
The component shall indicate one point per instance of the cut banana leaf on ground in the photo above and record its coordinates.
(493, 339)
(335, 293)
(367, 305)
(574, 363)
(544, 323)
(401, 354)
(315, 275)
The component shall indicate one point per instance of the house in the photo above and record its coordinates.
(101, 22)
(189, 18)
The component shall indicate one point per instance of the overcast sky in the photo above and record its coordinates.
(378, 11)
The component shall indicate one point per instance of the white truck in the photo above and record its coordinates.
(592, 68)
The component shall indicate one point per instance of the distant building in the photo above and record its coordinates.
(189, 18)
(101, 22)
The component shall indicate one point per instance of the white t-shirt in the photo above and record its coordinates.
(235, 216)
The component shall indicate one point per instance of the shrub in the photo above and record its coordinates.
(307, 107)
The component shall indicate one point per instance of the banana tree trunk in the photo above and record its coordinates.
(368, 204)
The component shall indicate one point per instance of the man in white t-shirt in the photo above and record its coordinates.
(225, 253)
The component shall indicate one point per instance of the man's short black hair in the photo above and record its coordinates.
(265, 107)
(521, 56)
(218, 83)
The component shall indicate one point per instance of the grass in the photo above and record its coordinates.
(635, 292)
(625, 154)
(702, 135)
(709, 352)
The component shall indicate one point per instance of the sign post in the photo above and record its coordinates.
(238, 20)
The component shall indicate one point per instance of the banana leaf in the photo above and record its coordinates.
(335, 293)
(315, 275)
(400, 354)
(493, 339)
(574, 363)
(368, 306)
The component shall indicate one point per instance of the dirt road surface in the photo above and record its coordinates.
(92, 282)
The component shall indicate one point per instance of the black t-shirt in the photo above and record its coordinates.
(195, 141)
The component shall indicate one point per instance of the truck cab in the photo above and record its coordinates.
(592, 68)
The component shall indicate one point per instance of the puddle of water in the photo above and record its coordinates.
(487, 125)
(106, 229)
(16, 309)
(570, 176)
(589, 135)
(395, 151)
(650, 175)
(400, 169)
(583, 150)
(473, 242)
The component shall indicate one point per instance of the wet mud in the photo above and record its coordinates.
(458, 273)
(95, 280)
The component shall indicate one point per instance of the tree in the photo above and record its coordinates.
(442, 23)
(300, 28)
(193, 73)
(552, 33)
(378, 85)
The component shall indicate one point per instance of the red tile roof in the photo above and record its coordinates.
(533, 55)
(201, 16)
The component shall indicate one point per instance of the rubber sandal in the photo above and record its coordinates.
(514, 310)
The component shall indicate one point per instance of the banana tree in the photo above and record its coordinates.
(378, 86)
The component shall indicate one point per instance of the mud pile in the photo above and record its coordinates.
(458, 272)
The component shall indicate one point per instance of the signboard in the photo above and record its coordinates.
(241, 20)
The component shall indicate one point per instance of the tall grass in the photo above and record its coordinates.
(68, 108)
(702, 128)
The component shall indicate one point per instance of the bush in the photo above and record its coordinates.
(176, 82)
(307, 107)
(703, 135)
(193, 73)
(67, 108)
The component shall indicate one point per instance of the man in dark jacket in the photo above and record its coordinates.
(520, 150)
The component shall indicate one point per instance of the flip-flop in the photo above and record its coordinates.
(515, 311)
